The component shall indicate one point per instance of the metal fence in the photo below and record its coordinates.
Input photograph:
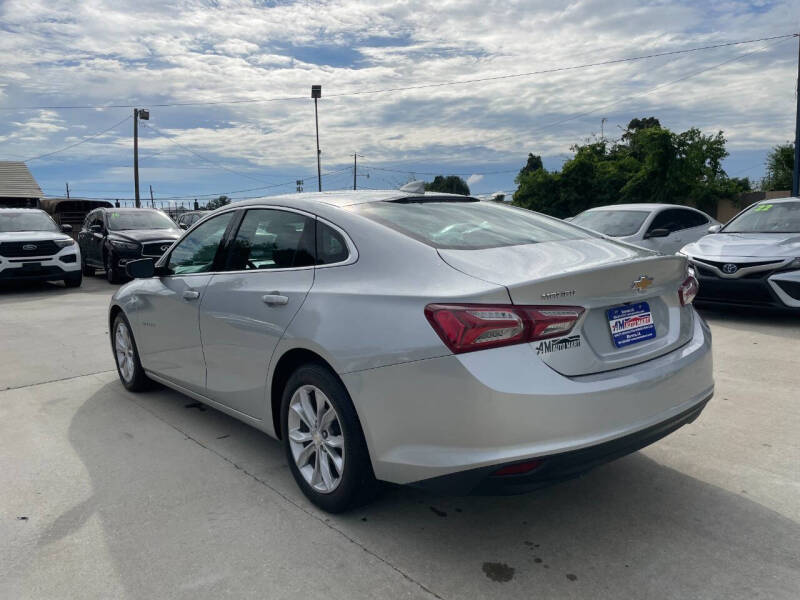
(173, 208)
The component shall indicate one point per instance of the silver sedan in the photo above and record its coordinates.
(424, 339)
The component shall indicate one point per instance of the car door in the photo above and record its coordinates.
(246, 309)
(168, 306)
(94, 239)
(84, 237)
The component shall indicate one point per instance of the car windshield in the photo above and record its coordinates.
(138, 219)
(26, 221)
(616, 223)
(467, 224)
(779, 217)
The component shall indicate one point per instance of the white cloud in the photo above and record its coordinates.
(474, 178)
(148, 53)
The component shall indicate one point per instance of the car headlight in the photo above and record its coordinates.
(124, 245)
(64, 243)
(795, 264)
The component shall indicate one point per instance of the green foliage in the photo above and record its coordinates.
(217, 202)
(648, 164)
(534, 164)
(780, 164)
(452, 184)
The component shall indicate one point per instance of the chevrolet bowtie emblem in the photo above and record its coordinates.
(640, 285)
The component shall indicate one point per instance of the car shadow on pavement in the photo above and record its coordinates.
(181, 489)
(775, 322)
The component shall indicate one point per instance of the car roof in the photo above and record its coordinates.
(648, 206)
(120, 209)
(342, 198)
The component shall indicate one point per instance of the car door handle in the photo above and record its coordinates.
(191, 295)
(275, 299)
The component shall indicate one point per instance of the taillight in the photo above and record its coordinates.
(688, 290)
(470, 327)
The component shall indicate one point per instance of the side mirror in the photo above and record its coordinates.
(66, 228)
(96, 228)
(714, 228)
(657, 233)
(143, 268)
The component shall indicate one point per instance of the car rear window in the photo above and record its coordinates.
(467, 224)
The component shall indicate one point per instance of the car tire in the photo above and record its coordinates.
(328, 458)
(86, 269)
(73, 280)
(126, 356)
(112, 275)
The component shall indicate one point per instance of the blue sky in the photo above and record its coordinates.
(100, 53)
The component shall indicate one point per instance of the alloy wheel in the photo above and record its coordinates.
(123, 348)
(316, 438)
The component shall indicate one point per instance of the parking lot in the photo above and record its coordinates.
(107, 494)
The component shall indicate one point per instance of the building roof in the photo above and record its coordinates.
(16, 181)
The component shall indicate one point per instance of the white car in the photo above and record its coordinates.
(32, 246)
(662, 227)
(753, 261)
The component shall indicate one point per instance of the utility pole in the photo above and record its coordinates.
(152, 202)
(138, 113)
(316, 93)
(602, 128)
(796, 170)
(67, 184)
(355, 171)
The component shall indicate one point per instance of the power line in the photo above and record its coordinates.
(645, 93)
(83, 141)
(200, 156)
(415, 87)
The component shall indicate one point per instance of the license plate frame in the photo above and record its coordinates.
(631, 324)
(31, 267)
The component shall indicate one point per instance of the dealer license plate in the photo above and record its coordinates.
(631, 324)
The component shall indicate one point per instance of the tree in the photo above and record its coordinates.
(780, 165)
(534, 164)
(648, 164)
(452, 184)
(217, 202)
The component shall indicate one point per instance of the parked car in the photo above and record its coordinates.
(754, 260)
(32, 246)
(112, 237)
(662, 227)
(422, 339)
(189, 218)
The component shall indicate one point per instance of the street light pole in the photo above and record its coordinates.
(355, 171)
(138, 113)
(796, 170)
(316, 93)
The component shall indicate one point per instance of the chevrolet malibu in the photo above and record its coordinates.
(426, 339)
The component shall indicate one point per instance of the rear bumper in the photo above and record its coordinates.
(557, 467)
(482, 410)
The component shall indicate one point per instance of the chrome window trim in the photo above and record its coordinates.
(352, 256)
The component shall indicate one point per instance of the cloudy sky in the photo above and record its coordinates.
(238, 74)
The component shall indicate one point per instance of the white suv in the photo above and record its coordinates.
(33, 247)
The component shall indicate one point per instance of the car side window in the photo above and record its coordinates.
(331, 247)
(272, 239)
(98, 220)
(196, 252)
(87, 221)
(672, 219)
(695, 219)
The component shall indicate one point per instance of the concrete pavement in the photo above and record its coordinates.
(107, 494)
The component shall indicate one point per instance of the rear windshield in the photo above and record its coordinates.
(467, 224)
(138, 219)
(26, 221)
(783, 217)
(616, 223)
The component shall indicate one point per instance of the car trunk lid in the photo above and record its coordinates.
(598, 275)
